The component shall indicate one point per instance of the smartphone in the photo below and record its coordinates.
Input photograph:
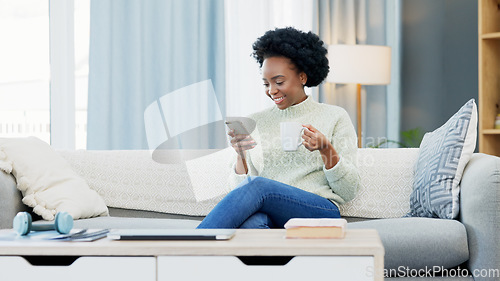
(237, 127)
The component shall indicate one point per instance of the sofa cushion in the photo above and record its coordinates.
(47, 182)
(128, 213)
(134, 223)
(386, 183)
(441, 162)
(417, 243)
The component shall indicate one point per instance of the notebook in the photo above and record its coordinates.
(171, 234)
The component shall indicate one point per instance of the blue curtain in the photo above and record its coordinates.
(142, 50)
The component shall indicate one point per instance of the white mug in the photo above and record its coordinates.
(291, 135)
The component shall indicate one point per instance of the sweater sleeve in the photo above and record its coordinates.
(344, 178)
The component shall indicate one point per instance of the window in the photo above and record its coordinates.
(24, 69)
(82, 35)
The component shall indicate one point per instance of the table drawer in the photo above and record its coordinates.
(14, 268)
(230, 268)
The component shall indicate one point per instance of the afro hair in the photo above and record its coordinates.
(305, 50)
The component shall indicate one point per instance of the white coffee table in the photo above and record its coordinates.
(250, 255)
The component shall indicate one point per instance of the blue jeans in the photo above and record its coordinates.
(263, 203)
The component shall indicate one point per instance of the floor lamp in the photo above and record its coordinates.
(361, 65)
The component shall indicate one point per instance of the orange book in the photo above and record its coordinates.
(315, 228)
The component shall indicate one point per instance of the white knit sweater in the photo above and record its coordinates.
(302, 168)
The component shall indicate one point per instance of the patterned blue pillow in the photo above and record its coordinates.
(443, 155)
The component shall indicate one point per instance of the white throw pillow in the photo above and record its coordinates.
(46, 180)
(442, 158)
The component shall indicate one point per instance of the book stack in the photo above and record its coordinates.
(315, 228)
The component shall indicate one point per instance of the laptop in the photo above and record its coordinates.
(171, 234)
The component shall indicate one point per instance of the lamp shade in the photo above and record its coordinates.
(359, 64)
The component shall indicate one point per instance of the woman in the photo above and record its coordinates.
(308, 183)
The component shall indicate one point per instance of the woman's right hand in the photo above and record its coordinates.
(241, 143)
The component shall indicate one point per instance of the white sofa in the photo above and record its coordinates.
(141, 193)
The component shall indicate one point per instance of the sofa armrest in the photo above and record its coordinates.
(480, 213)
(10, 200)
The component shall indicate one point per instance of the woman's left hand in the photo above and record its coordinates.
(314, 139)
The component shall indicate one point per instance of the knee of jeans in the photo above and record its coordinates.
(258, 180)
(249, 180)
(257, 184)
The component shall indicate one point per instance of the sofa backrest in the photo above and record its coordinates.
(131, 179)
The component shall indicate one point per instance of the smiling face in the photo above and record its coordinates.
(283, 82)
